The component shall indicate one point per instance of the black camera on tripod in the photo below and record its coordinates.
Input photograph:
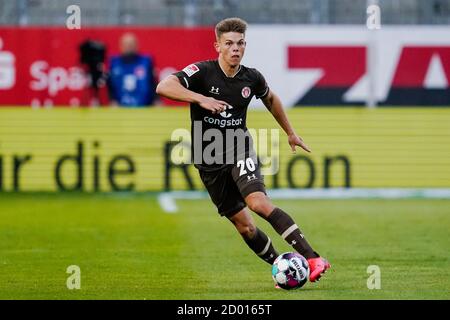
(92, 54)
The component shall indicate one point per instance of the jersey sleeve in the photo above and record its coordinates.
(261, 87)
(191, 76)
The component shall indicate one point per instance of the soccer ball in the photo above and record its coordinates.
(290, 270)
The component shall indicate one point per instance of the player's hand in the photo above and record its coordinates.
(294, 140)
(213, 105)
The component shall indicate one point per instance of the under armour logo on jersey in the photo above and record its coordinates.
(252, 177)
(293, 243)
(214, 90)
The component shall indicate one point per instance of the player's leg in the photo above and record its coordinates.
(256, 239)
(282, 222)
(252, 188)
(229, 202)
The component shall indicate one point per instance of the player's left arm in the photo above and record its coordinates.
(274, 105)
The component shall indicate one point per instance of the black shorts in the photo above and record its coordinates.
(229, 186)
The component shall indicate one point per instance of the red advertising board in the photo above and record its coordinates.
(41, 66)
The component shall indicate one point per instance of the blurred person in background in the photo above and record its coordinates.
(132, 78)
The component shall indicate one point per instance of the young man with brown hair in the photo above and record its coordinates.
(219, 92)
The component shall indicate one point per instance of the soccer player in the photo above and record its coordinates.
(219, 92)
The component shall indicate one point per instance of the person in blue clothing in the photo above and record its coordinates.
(132, 80)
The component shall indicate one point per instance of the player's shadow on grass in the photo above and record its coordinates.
(297, 291)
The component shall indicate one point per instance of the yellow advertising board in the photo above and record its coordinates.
(92, 149)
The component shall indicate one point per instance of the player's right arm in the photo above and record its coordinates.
(171, 88)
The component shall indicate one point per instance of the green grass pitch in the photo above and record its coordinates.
(128, 248)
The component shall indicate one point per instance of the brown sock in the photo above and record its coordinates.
(262, 246)
(286, 227)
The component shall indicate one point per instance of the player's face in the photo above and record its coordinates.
(231, 48)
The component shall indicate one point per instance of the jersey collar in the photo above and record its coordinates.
(240, 67)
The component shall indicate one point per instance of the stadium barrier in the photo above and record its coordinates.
(107, 150)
